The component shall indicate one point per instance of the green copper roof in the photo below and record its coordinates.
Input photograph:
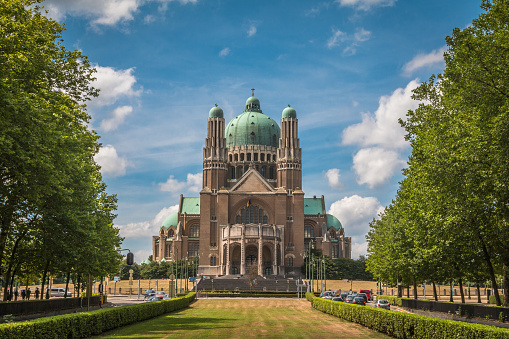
(313, 206)
(289, 112)
(252, 127)
(171, 220)
(332, 221)
(190, 206)
(216, 112)
(146, 262)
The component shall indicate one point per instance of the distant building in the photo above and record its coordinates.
(251, 210)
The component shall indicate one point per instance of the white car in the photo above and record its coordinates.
(59, 292)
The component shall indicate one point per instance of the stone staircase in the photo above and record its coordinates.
(240, 283)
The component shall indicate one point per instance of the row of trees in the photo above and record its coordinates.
(316, 264)
(55, 214)
(450, 219)
(183, 268)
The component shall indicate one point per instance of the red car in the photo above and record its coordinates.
(368, 293)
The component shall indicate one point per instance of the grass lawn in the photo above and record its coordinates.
(245, 318)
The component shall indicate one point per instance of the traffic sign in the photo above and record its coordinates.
(116, 278)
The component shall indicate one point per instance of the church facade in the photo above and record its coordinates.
(251, 209)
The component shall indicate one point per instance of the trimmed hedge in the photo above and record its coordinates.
(86, 324)
(407, 325)
(492, 299)
(247, 295)
(392, 300)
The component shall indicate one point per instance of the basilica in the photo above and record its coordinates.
(251, 209)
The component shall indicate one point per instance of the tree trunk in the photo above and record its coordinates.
(478, 293)
(67, 283)
(491, 272)
(44, 279)
(12, 282)
(79, 285)
(11, 262)
(415, 289)
(435, 291)
(462, 292)
(5, 230)
(7, 284)
(408, 291)
(506, 285)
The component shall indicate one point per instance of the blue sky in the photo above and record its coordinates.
(347, 66)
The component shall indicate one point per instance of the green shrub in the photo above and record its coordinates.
(86, 324)
(310, 296)
(395, 301)
(407, 325)
(105, 297)
(492, 299)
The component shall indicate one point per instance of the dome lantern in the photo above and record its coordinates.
(289, 112)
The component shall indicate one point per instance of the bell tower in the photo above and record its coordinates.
(289, 161)
(214, 152)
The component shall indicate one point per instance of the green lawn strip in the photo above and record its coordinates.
(245, 319)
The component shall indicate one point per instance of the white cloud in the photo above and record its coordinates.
(355, 213)
(102, 12)
(141, 255)
(382, 128)
(374, 166)
(336, 38)
(146, 229)
(251, 31)
(149, 19)
(118, 118)
(193, 184)
(111, 164)
(433, 59)
(224, 52)
(113, 85)
(365, 4)
(333, 178)
(351, 41)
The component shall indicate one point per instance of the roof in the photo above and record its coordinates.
(313, 206)
(332, 221)
(252, 127)
(190, 206)
(216, 112)
(289, 112)
(171, 220)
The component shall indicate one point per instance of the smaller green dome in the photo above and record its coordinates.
(171, 220)
(289, 112)
(252, 105)
(332, 221)
(216, 112)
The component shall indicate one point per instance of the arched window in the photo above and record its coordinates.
(309, 232)
(194, 231)
(236, 157)
(213, 260)
(171, 233)
(193, 249)
(241, 156)
(252, 214)
(289, 262)
(268, 157)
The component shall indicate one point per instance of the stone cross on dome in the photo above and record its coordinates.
(252, 92)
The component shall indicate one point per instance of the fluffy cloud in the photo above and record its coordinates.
(224, 52)
(351, 41)
(382, 128)
(118, 117)
(113, 85)
(111, 164)
(193, 184)
(365, 4)
(333, 178)
(374, 166)
(146, 229)
(102, 12)
(251, 31)
(433, 59)
(355, 213)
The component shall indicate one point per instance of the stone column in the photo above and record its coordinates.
(260, 252)
(228, 261)
(274, 266)
(242, 250)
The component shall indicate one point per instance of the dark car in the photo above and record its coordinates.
(344, 295)
(359, 301)
(349, 298)
(382, 303)
(337, 299)
(149, 293)
(363, 295)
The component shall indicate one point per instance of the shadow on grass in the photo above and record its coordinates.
(164, 325)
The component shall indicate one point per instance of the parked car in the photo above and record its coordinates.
(363, 295)
(152, 298)
(327, 294)
(337, 299)
(148, 293)
(383, 303)
(343, 295)
(368, 293)
(159, 294)
(59, 292)
(349, 298)
(359, 301)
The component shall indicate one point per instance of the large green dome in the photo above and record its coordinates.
(252, 127)
(171, 220)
